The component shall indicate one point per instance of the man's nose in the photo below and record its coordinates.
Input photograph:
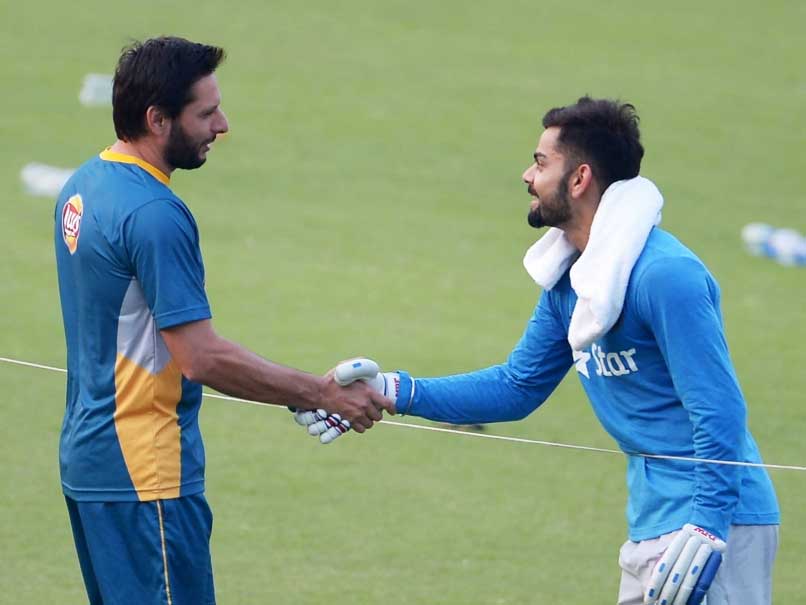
(529, 174)
(223, 125)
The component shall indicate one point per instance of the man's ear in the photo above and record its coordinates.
(157, 122)
(580, 181)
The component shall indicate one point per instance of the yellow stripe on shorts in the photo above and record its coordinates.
(164, 554)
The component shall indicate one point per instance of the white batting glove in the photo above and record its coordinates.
(323, 425)
(385, 383)
(329, 427)
(684, 573)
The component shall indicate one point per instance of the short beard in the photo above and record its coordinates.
(181, 152)
(553, 210)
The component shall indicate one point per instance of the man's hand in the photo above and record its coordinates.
(347, 392)
(684, 573)
(329, 427)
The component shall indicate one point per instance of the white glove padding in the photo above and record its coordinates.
(326, 426)
(685, 571)
(320, 424)
(385, 383)
(358, 369)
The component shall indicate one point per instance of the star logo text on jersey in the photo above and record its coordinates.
(71, 222)
(613, 364)
(607, 364)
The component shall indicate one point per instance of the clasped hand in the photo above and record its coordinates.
(330, 426)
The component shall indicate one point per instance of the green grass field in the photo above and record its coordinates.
(368, 201)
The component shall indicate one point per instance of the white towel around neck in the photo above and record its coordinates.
(626, 214)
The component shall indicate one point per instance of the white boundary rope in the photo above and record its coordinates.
(787, 467)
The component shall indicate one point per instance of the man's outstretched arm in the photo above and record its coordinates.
(506, 392)
(205, 357)
(501, 393)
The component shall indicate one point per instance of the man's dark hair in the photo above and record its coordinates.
(602, 133)
(160, 72)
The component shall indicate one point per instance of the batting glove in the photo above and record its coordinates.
(684, 573)
(323, 425)
(329, 427)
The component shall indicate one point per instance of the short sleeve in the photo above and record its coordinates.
(162, 242)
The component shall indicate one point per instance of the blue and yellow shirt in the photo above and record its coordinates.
(129, 265)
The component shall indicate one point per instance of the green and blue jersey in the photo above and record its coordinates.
(129, 265)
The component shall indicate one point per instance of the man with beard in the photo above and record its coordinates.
(140, 343)
(657, 373)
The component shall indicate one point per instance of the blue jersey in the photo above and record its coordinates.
(660, 381)
(129, 265)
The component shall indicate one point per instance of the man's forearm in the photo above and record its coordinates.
(205, 357)
(488, 395)
(234, 370)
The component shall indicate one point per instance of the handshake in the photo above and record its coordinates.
(328, 427)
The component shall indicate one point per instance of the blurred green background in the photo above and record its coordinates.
(368, 202)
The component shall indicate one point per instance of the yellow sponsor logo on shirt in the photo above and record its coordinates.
(71, 222)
